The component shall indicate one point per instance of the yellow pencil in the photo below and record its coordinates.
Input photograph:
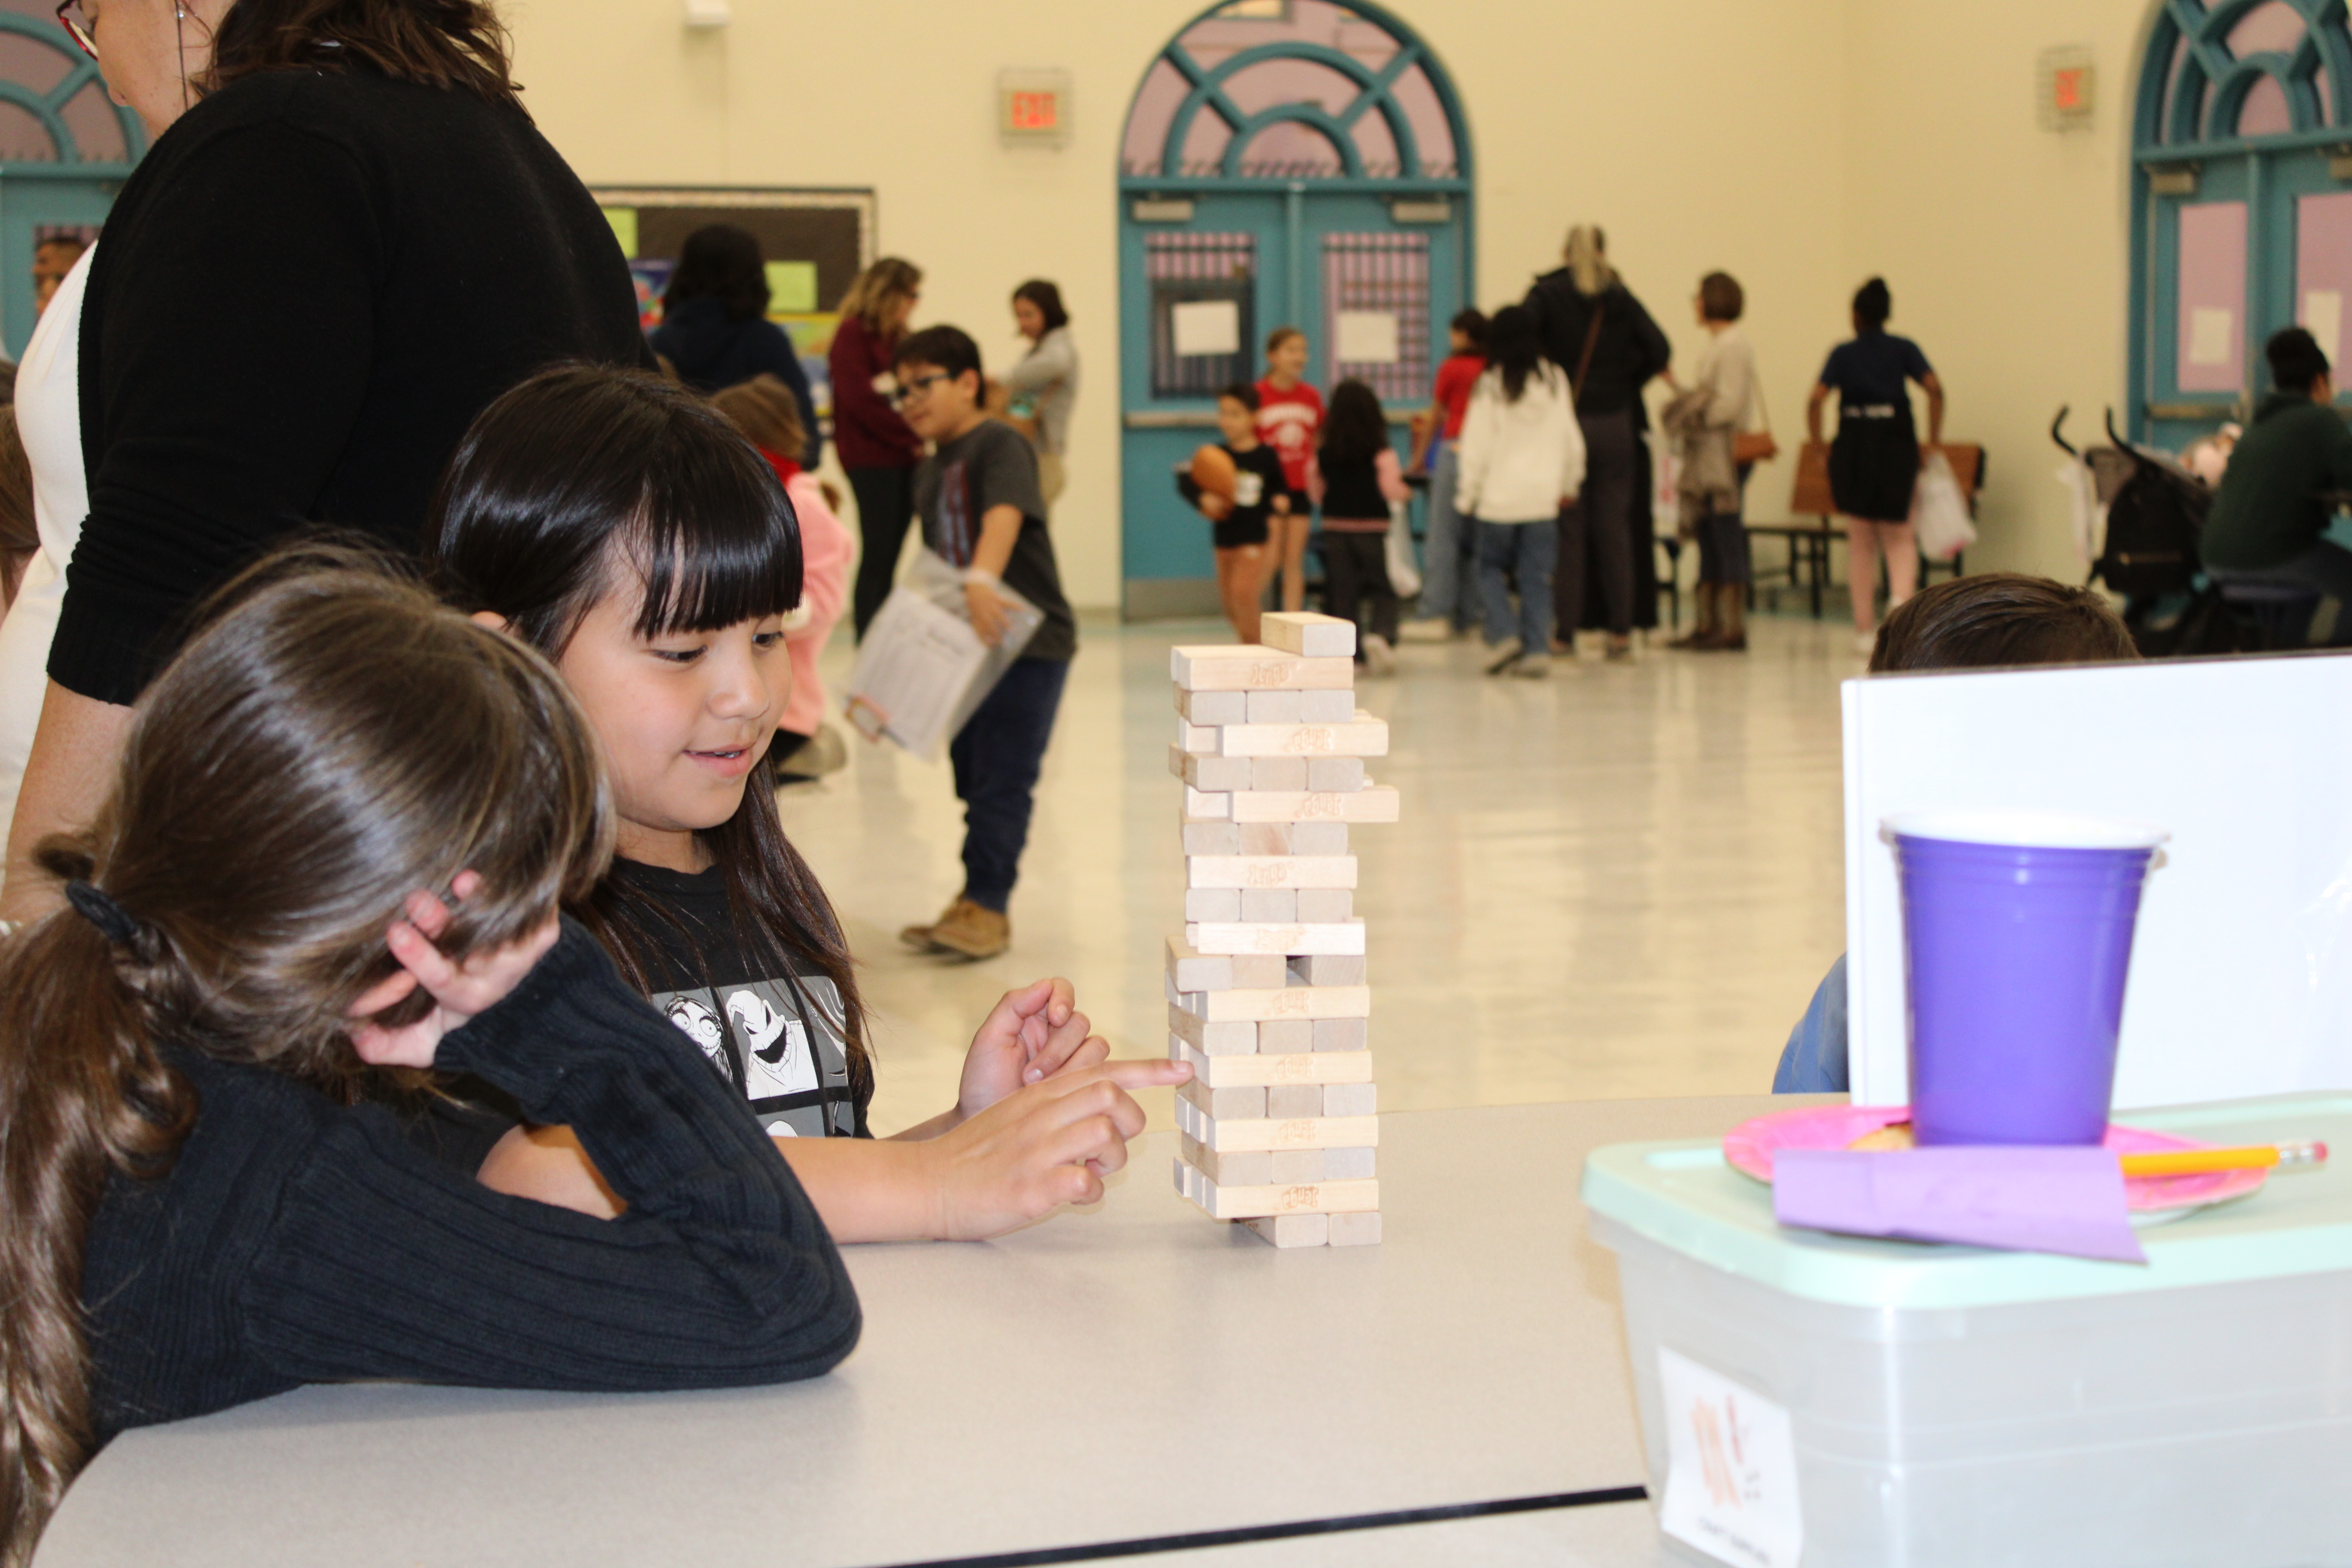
(2199, 1161)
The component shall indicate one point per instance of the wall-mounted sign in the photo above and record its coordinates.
(1032, 106)
(2063, 87)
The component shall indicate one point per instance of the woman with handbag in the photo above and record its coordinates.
(1714, 411)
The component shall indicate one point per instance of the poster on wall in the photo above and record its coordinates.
(813, 241)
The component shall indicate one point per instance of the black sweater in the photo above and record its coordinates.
(1627, 352)
(713, 351)
(308, 289)
(296, 1240)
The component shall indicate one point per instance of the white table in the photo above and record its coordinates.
(1136, 1374)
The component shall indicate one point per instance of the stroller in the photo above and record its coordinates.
(2155, 510)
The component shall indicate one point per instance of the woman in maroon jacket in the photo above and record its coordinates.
(878, 451)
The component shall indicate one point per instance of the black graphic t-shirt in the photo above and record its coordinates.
(989, 466)
(775, 1034)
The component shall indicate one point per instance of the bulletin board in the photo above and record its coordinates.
(816, 242)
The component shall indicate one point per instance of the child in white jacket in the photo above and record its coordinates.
(1521, 459)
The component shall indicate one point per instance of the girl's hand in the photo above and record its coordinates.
(460, 989)
(1042, 1146)
(1028, 1037)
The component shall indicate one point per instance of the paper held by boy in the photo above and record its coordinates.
(921, 669)
(1268, 998)
(2240, 979)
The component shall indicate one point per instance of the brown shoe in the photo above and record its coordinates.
(920, 939)
(972, 932)
(1703, 599)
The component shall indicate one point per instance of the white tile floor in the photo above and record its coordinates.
(1623, 881)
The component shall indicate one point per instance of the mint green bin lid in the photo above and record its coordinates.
(1687, 1197)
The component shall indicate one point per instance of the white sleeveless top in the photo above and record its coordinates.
(48, 417)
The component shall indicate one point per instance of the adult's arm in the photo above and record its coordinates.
(2340, 457)
(1652, 352)
(1053, 359)
(1820, 395)
(66, 777)
(383, 1263)
(1935, 387)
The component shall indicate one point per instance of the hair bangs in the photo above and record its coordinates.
(716, 551)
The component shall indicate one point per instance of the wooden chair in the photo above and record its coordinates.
(1808, 563)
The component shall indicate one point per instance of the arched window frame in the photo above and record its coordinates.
(49, 108)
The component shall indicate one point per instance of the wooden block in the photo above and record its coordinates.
(1294, 1101)
(1214, 1040)
(1215, 775)
(1347, 1164)
(1277, 708)
(1198, 804)
(1347, 1098)
(1190, 970)
(1280, 773)
(1307, 837)
(1286, 1037)
(1188, 1180)
(1258, 1132)
(1272, 906)
(1292, 1230)
(1356, 1229)
(1324, 906)
(1270, 870)
(1304, 632)
(1244, 666)
(1288, 1001)
(1291, 1167)
(1344, 775)
(1321, 1197)
(1341, 1034)
(1267, 837)
(1260, 970)
(1238, 937)
(1292, 1066)
(1231, 1107)
(1316, 707)
(1216, 903)
(1191, 736)
(1252, 1168)
(1224, 707)
(1214, 837)
(1364, 737)
(1323, 969)
(1371, 803)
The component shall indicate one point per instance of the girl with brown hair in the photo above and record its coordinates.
(297, 884)
(878, 451)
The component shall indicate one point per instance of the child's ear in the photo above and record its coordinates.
(494, 621)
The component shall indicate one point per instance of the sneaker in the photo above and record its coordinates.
(1535, 666)
(1510, 657)
(823, 752)
(1429, 629)
(1866, 643)
(972, 932)
(1380, 658)
(919, 938)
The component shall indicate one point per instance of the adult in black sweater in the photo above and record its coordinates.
(715, 329)
(1595, 329)
(321, 272)
(198, 1208)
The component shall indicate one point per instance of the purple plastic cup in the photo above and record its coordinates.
(2017, 938)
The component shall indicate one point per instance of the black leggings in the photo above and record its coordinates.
(1356, 574)
(885, 504)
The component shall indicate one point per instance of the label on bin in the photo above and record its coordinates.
(1731, 1468)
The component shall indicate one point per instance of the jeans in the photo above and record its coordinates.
(996, 756)
(886, 505)
(1527, 551)
(2324, 568)
(1723, 548)
(1600, 526)
(1356, 573)
(1449, 579)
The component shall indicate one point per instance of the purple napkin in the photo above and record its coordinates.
(2020, 1199)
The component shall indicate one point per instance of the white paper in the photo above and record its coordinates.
(2209, 334)
(1206, 327)
(1364, 337)
(2323, 318)
(1731, 1468)
(913, 666)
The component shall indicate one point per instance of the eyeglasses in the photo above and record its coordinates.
(69, 18)
(919, 387)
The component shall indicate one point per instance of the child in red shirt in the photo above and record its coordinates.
(1290, 420)
(1449, 585)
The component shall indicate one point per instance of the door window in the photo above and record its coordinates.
(2323, 269)
(1376, 311)
(1203, 287)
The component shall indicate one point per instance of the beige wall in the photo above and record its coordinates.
(1799, 143)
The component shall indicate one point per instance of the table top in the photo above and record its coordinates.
(1136, 1372)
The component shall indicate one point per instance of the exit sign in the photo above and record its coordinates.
(2064, 84)
(1032, 106)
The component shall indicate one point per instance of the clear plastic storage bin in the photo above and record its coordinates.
(1950, 1406)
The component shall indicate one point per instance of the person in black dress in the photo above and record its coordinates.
(1875, 461)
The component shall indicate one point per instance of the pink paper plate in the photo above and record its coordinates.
(1750, 1147)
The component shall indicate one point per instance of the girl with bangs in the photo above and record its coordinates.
(625, 530)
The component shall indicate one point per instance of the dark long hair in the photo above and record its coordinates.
(581, 469)
(1048, 298)
(436, 43)
(1515, 347)
(721, 262)
(336, 740)
(1355, 431)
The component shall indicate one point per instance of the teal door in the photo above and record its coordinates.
(36, 203)
(1337, 204)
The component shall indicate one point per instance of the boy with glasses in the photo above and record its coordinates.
(983, 513)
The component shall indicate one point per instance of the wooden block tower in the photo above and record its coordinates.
(1266, 994)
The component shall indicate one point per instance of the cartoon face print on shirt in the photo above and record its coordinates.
(703, 1027)
(790, 1067)
(776, 1046)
